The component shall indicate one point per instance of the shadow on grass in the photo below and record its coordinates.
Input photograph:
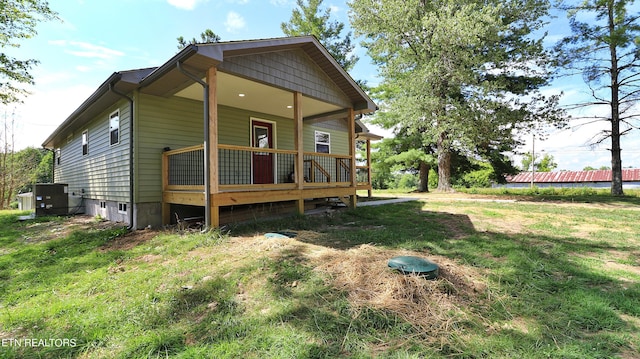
(546, 299)
(549, 297)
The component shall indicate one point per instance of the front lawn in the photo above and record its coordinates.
(517, 279)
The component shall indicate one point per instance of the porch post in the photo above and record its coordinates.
(212, 77)
(352, 153)
(369, 194)
(299, 166)
(166, 207)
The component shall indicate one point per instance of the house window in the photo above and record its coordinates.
(58, 155)
(114, 128)
(122, 208)
(323, 142)
(85, 142)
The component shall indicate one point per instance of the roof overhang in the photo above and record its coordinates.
(168, 79)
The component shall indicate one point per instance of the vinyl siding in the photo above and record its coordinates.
(338, 131)
(103, 173)
(177, 122)
(162, 122)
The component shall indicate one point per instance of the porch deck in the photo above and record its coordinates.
(241, 177)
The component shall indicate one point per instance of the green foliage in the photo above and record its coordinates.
(545, 164)
(206, 36)
(307, 19)
(467, 77)
(481, 177)
(602, 168)
(408, 181)
(20, 170)
(18, 21)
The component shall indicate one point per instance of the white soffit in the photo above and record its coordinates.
(257, 97)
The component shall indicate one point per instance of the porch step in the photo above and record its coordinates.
(338, 201)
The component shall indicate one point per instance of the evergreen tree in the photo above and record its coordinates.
(604, 47)
(308, 19)
(465, 74)
(206, 36)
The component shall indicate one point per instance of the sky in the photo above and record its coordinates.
(96, 38)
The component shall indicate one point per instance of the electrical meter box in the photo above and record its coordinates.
(52, 199)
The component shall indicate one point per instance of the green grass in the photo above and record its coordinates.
(561, 281)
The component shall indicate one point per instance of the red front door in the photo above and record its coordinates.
(262, 137)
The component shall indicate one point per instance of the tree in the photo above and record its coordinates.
(18, 20)
(604, 47)
(308, 20)
(545, 164)
(601, 168)
(205, 37)
(400, 153)
(466, 73)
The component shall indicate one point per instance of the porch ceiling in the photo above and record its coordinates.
(258, 97)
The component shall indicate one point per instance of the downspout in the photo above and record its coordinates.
(207, 179)
(131, 181)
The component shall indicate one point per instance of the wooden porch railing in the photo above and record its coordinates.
(183, 169)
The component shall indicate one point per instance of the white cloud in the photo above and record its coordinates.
(184, 4)
(85, 49)
(234, 22)
(282, 2)
(83, 68)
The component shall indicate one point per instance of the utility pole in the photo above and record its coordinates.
(533, 160)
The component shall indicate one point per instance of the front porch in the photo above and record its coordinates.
(292, 176)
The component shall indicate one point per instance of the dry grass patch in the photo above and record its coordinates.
(435, 307)
(438, 309)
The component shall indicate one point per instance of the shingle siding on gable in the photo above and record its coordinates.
(104, 172)
(276, 68)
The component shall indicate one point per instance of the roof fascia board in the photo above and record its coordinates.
(275, 44)
(169, 65)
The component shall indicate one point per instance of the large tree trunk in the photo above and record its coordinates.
(444, 164)
(616, 160)
(423, 184)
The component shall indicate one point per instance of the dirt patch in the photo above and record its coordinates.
(55, 229)
(615, 266)
(129, 240)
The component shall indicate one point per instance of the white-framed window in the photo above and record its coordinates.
(85, 142)
(114, 128)
(122, 208)
(323, 142)
(58, 155)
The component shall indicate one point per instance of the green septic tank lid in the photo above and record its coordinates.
(414, 265)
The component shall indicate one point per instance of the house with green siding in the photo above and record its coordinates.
(218, 127)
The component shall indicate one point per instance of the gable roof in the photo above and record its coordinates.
(628, 175)
(167, 79)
